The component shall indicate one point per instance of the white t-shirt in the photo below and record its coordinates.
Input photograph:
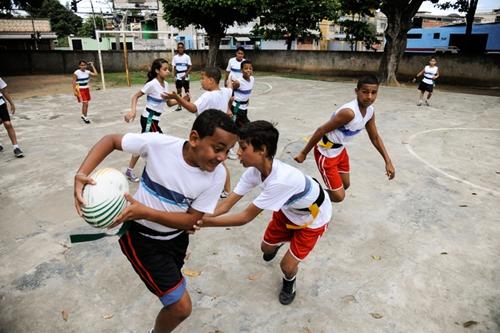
(234, 67)
(82, 78)
(279, 187)
(429, 73)
(215, 99)
(347, 132)
(181, 63)
(242, 94)
(153, 90)
(168, 183)
(3, 85)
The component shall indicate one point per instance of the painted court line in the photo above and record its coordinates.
(461, 180)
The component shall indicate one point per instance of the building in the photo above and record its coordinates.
(429, 20)
(489, 17)
(26, 34)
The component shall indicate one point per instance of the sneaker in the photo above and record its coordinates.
(85, 120)
(18, 152)
(179, 108)
(1, 148)
(419, 102)
(131, 176)
(427, 102)
(232, 155)
(270, 256)
(287, 293)
(224, 194)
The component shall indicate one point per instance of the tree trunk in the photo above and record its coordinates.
(469, 17)
(399, 20)
(213, 49)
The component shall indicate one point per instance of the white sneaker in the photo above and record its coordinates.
(427, 102)
(419, 102)
(224, 194)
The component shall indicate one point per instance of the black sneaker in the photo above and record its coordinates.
(287, 293)
(85, 120)
(1, 148)
(18, 152)
(270, 256)
(179, 108)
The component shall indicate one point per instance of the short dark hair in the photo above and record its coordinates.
(180, 43)
(82, 61)
(213, 73)
(240, 48)
(244, 62)
(206, 123)
(368, 79)
(261, 133)
(433, 57)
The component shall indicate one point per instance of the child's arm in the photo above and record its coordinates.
(75, 88)
(341, 118)
(377, 142)
(130, 116)
(184, 102)
(188, 71)
(94, 71)
(236, 84)
(233, 220)
(9, 99)
(437, 75)
(418, 74)
(225, 205)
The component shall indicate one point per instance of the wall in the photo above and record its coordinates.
(456, 69)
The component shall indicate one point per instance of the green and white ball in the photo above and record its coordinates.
(105, 200)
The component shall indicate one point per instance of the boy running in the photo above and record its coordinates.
(330, 138)
(430, 73)
(181, 63)
(5, 118)
(81, 87)
(181, 182)
(300, 212)
(242, 88)
(214, 98)
(233, 68)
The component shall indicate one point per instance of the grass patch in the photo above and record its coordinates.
(138, 78)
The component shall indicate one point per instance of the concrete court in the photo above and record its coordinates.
(416, 254)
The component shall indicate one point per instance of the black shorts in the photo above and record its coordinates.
(4, 112)
(240, 117)
(157, 262)
(179, 84)
(425, 87)
(154, 125)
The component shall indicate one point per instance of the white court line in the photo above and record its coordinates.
(269, 88)
(411, 151)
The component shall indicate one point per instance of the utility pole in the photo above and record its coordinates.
(35, 37)
(93, 17)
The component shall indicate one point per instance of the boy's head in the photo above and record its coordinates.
(257, 137)
(180, 48)
(240, 53)
(210, 78)
(82, 64)
(212, 135)
(247, 68)
(433, 61)
(366, 90)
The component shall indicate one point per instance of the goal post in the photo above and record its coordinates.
(124, 34)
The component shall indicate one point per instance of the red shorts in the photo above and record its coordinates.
(84, 95)
(331, 168)
(302, 241)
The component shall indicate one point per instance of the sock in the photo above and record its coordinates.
(291, 279)
(129, 169)
(15, 146)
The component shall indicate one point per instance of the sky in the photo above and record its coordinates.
(483, 6)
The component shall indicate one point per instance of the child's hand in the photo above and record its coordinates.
(390, 171)
(129, 116)
(135, 210)
(187, 97)
(12, 108)
(300, 157)
(170, 95)
(80, 181)
(196, 227)
(414, 80)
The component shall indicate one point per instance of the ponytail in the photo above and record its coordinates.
(156, 65)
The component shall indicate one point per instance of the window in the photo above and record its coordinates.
(414, 36)
(437, 35)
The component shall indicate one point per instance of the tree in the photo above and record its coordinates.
(357, 28)
(215, 16)
(293, 18)
(400, 15)
(464, 6)
(62, 20)
(87, 29)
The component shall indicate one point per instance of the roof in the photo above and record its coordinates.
(24, 25)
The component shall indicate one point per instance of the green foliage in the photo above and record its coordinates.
(215, 16)
(294, 18)
(87, 28)
(62, 42)
(357, 28)
(63, 21)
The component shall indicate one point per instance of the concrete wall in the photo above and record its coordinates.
(456, 68)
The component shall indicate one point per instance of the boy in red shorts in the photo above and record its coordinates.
(329, 139)
(81, 87)
(301, 213)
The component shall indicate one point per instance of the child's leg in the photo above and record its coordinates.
(85, 108)
(429, 94)
(10, 131)
(133, 161)
(335, 173)
(227, 183)
(289, 265)
(171, 316)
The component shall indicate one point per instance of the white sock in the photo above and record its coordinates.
(284, 277)
(15, 146)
